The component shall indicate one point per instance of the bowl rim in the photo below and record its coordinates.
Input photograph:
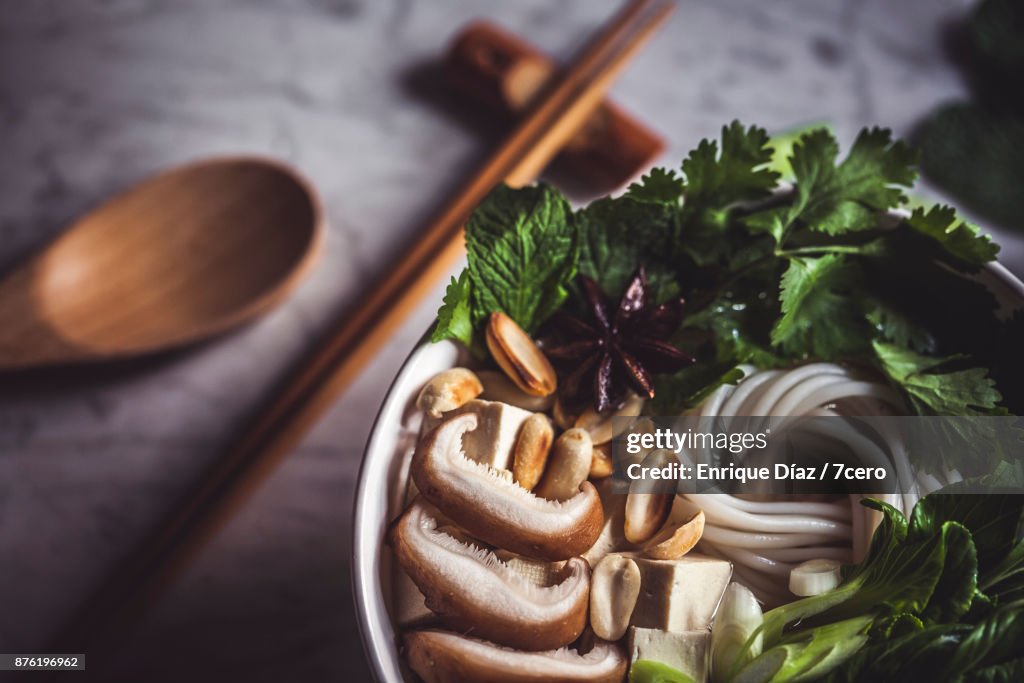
(377, 638)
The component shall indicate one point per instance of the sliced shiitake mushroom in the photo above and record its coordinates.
(471, 589)
(493, 508)
(444, 657)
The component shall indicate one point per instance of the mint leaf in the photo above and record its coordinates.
(454, 319)
(739, 173)
(617, 235)
(522, 250)
(958, 238)
(819, 315)
(934, 390)
(660, 185)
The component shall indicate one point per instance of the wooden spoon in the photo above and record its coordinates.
(177, 258)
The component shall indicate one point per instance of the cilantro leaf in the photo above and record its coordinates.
(934, 391)
(897, 327)
(717, 185)
(522, 250)
(739, 173)
(847, 197)
(819, 317)
(958, 238)
(453, 318)
(660, 185)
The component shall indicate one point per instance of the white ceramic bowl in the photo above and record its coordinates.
(381, 485)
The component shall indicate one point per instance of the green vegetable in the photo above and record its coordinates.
(522, 248)
(769, 278)
(844, 197)
(974, 150)
(934, 392)
(815, 289)
(737, 619)
(959, 239)
(648, 671)
(454, 319)
(939, 597)
(782, 147)
(618, 234)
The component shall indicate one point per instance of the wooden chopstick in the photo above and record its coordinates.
(307, 394)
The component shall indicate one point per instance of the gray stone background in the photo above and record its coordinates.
(95, 94)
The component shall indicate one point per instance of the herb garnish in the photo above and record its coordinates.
(772, 275)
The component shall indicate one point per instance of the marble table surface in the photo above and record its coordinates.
(95, 94)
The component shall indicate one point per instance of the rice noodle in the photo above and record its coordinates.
(764, 539)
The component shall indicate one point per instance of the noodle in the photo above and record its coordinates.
(765, 539)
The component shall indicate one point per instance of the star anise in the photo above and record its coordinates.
(616, 350)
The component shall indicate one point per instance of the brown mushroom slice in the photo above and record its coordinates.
(471, 589)
(443, 657)
(492, 507)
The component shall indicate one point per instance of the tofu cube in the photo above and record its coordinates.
(680, 595)
(686, 652)
(492, 441)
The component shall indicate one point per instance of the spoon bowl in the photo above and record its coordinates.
(180, 257)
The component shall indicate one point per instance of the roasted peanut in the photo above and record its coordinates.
(568, 466)
(448, 390)
(602, 427)
(647, 507)
(531, 450)
(519, 357)
(498, 387)
(614, 588)
(602, 465)
(676, 538)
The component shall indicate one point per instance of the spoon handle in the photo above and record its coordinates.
(278, 429)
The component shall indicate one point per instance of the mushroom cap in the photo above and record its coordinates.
(492, 507)
(444, 657)
(472, 590)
